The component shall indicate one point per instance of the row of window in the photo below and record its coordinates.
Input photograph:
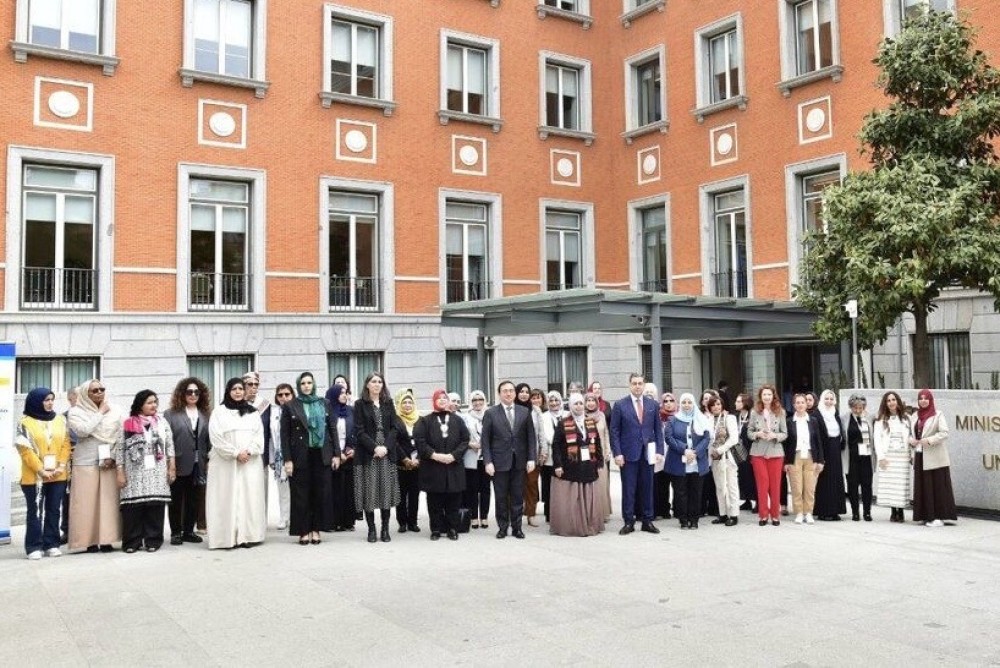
(220, 261)
(224, 43)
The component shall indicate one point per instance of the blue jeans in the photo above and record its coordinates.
(43, 532)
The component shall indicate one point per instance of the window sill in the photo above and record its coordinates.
(546, 131)
(328, 98)
(738, 102)
(446, 115)
(632, 135)
(188, 77)
(582, 19)
(834, 72)
(23, 49)
(628, 17)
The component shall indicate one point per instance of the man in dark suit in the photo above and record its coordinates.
(637, 443)
(509, 450)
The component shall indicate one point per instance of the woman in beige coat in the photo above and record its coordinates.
(933, 498)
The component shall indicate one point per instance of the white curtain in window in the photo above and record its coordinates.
(367, 46)
(341, 41)
(477, 71)
(79, 210)
(455, 68)
(206, 20)
(234, 219)
(40, 207)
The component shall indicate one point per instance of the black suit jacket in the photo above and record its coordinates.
(364, 430)
(187, 442)
(508, 448)
(295, 436)
(815, 440)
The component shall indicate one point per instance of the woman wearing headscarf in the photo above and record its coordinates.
(549, 420)
(188, 419)
(42, 441)
(441, 439)
(380, 437)
(95, 519)
(933, 498)
(592, 408)
(830, 491)
(283, 393)
(309, 452)
(476, 497)
(725, 435)
(768, 430)
(234, 500)
(893, 430)
(661, 479)
(146, 469)
(343, 513)
(860, 458)
(748, 487)
(409, 462)
(687, 439)
(577, 455)
(522, 397)
(804, 459)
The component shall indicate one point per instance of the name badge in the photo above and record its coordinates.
(584, 454)
(149, 462)
(651, 452)
(103, 452)
(49, 462)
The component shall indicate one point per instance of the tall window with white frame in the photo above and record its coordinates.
(562, 96)
(354, 62)
(811, 187)
(568, 5)
(56, 373)
(466, 239)
(60, 243)
(730, 275)
(654, 249)
(724, 65)
(353, 236)
(565, 366)
(462, 372)
(220, 221)
(467, 79)
(813, 35)
(74, 25)
(647, 92)
(216, 371)
(911, 9)
(563, 250)
(223, 37)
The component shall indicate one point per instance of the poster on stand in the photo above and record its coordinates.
(7, 455)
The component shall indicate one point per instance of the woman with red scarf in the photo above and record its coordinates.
(145, 461)
(933, 498)
(577, 456)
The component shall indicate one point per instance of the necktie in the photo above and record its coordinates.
(638, 409)
(510, 416)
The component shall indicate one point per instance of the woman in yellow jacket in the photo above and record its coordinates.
(43, 443)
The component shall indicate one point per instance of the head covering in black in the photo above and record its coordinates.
(517, 394)
(33, 405)
(242, 406)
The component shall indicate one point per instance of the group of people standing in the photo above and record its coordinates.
(336, 460)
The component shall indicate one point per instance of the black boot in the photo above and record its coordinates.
(385, 527)
(370, 519)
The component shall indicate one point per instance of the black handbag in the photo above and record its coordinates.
(464, 520)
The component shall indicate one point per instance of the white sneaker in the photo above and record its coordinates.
(53, 552)
(809, 519)
(282, 526)
(799, 518)
(935, 523)
(35, 556)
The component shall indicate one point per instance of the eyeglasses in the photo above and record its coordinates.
(96, 390)
(668, 401)
(192, 393)
(284, 394)
(248, 383)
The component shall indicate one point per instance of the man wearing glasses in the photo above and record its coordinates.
(251, 385)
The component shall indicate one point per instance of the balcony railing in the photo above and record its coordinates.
(220, 292)
(58, 289)
(467, 291)
(355, 293)
(655, 285)
(553, 286)
(730, 284)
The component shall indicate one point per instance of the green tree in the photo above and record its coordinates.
(925, 216)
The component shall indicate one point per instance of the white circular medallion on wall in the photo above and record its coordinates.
(222, 124)
(64, 104)
(356, 141)
(724, 144)
(565, 167)
(468, 155)
(649, 164)
(815, 120)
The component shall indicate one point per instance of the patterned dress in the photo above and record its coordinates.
(146, 484)
(891, 444)
(376, 484)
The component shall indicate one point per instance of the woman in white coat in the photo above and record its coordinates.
(234, 501)
(725, 434)
(893, 430)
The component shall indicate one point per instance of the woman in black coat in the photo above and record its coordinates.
(310, 451)
(442, 439)
(378, 430)
(188, 419)
(861, 460)
(342, 512)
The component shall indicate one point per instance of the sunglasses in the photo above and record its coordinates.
(192, 393)
(96, 389)
(250, 384)
(284, 394)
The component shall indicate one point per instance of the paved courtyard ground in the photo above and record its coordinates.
(832, 594)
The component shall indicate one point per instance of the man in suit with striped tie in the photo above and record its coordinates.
(637, 443)
(509, 451)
